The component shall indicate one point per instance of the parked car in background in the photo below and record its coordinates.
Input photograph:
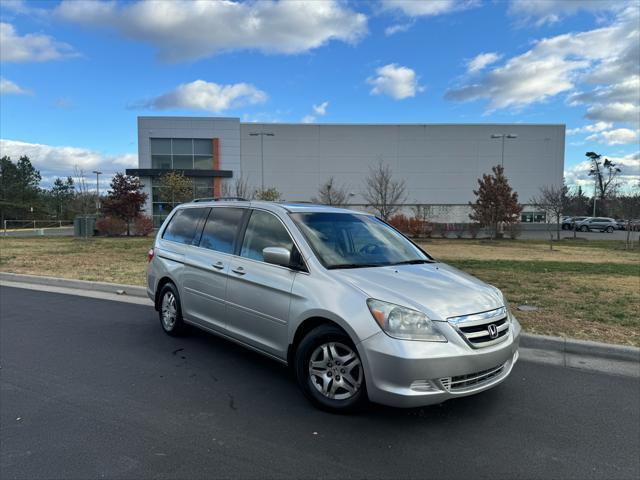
(622, 224)
(602, 224)
(569, 222)
(352, 306)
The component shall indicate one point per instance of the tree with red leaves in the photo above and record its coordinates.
(496, 203)
(125, 200)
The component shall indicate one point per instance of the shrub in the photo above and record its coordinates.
(111, 226)
(400, 222)
(142, 226)
(418, 227)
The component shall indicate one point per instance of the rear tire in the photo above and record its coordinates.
(170, 311)
(329, 371)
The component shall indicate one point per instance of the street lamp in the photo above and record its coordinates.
(262, 135)
(98, 173)
(503, 136)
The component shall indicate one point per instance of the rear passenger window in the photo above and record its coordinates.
(184, 225)
(264, 230)
(221, 228)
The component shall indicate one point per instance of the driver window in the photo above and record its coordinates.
(264, 230)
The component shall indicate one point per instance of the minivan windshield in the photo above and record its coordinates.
(351, 240)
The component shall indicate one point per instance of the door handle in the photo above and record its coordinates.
(218, 265)
(239, 270)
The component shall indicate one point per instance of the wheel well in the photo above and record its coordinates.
(163, 281)
(304, 328)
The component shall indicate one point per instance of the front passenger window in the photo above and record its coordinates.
(264, 230)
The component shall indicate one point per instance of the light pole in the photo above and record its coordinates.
(98, 173)
(262, 134)
(503, 136)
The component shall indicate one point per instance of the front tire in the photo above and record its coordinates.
(584, 228)
(170, 311)
(609, 229)
(329, 370)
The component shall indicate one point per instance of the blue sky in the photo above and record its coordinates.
(75, 75)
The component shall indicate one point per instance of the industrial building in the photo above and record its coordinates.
(440, 163)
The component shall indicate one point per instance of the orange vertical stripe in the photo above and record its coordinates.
(217, 187)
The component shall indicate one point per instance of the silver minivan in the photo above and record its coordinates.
(357, 310)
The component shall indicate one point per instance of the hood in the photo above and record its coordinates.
(438, 290)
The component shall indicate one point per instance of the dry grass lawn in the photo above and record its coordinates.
(117, 260)
(588, 290)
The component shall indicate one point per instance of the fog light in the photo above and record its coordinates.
(425, 386)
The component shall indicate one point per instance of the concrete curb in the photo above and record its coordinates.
(115, 288)
(580, 347)
(527, 340)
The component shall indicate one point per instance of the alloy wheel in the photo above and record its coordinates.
(169, 311)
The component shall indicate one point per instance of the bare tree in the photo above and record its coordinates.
(84, 201)
(552, 200)
(330, 193)
(175, 188)
(268, 194)
(421, 215)
(238, 188)
(382, 193)
(605, 174)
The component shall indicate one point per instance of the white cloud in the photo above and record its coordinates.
(7, 87)
(479, 62)
(208, 96)
(619, 136)
(396, 81)
(60, 161)
(21, 7)
(541, 12)
(321, 109)
(188, 30)
(578, 174)
(425, 8)
(397, 28)
(318, 110)
(615, 112)
(596, 127)
(32, 47)
(619, 102)
(558, 64)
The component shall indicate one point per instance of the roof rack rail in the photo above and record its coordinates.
(218, 199)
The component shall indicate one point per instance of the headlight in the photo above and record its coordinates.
(403, 323)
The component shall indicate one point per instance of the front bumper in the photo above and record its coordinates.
(402, 373)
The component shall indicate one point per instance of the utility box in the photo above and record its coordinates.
(84, 226)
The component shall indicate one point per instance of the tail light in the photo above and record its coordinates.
(150, 255)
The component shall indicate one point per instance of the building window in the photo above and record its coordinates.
(182, 153)
(202, 188)
(533, 217)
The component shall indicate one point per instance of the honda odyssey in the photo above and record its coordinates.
(357, 310)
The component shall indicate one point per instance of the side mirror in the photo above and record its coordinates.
(277, 256)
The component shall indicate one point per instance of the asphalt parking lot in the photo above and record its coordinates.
(94, 389)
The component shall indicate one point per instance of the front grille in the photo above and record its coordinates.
(483, 329)
(463, 382)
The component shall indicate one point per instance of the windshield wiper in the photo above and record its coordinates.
(356, 265)
(417, 261)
